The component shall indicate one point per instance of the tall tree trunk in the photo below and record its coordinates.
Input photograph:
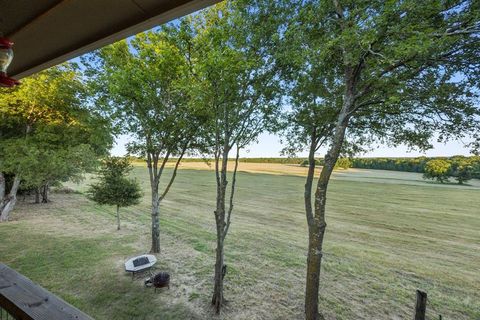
(313, 261)
(155, 222)
(118, 217)
(221, 176)
(317, 223)
(152, 164)
(7, 203)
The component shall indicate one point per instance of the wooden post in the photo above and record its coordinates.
(420, 305)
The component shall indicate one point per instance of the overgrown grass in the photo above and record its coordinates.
(388, 234)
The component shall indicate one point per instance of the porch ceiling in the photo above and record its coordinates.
(48, 32)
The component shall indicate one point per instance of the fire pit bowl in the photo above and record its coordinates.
(161, 280)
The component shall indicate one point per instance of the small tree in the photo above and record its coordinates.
(462, 170)
(114, 188)
(437, 169)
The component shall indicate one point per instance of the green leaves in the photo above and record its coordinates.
(141, 84)
(114, 187)
(233, 80)
(408, 70)
(437, 169)
(459, 167)
(47, 133)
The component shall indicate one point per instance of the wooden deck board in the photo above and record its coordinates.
(24, 299)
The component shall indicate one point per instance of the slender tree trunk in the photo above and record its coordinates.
(118, 217)
(155, 174)
(45, 193)
(8, 201)
(222, 219)
(221, 176)
(37, 195)
(317, 223)
(313, 260)
(152, 164)
(155, 222)
(217, 299)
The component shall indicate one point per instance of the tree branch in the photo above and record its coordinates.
(339, 11)
(164, 162)
(310, 175)
(365, 103)
(150, 170)
(174, 174)
(232, 192)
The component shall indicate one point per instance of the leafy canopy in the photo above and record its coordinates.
(114, 187)
(230, 77)
(142, 85)
(47, 132)
(410, 70)
(437, 169)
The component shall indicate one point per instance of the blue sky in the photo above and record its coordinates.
(269, 146)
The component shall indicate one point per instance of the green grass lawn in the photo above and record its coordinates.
(388, 234)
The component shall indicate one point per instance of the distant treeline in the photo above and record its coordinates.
(394, 164)
(249, 160)
(274, 160)
(416, 164)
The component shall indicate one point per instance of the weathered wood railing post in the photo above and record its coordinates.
(420, 305)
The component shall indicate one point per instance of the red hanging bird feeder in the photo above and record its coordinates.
(6, 57)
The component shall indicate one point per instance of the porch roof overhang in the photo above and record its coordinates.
(49, 32)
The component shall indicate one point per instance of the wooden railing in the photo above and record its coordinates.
(22, 299)
(4, 315)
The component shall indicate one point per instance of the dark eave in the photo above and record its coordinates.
(49, 32)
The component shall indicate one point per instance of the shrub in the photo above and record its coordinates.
(437, 169)
(462, 171)
(343, 163)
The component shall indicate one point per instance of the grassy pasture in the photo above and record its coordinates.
(388, 234)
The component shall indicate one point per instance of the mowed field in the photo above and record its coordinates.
(388, 234)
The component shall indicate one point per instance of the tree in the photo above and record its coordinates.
(462, 168)
(437, 169)
(398, 72)
(63, 152)
(235, 86)
(114, 187)
(142, 85)
(47, 133)
(463, 173)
